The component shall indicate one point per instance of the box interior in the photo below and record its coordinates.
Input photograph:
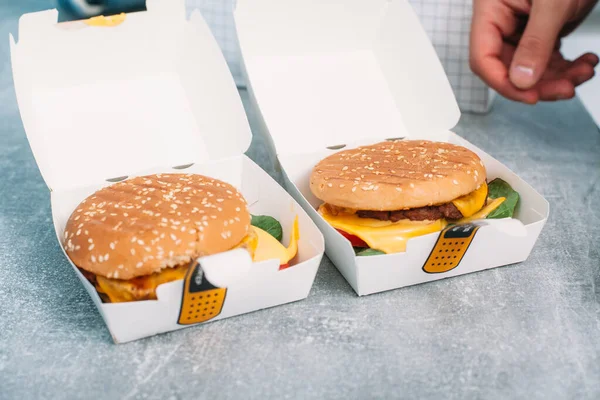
(150, 91)
(363, 70)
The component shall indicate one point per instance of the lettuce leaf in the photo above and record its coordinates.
(360, 251)
(499, 188)
(269, 225)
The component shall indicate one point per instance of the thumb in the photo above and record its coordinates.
(533, 52)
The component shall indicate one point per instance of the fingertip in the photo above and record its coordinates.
(585, 75)
(522, 76)
(562, 89)
(580, 72)
(592, 58)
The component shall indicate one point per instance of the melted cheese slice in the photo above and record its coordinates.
(391, 237)
(269, 247)
(387, 236)
(109, 21)
(485, 211)
(260, 244)
(142, 288)
(471, 203)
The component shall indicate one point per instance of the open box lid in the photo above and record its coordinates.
(100, 102)
(326, 73)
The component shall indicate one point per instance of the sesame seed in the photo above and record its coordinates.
(412, 185)
(455, 182)
(354, 188)
(78, 232)
(120, 266)
(93, 258)
(399, 189)
(91, 247)
(90, 240)
(140, 242)
(132, 251)
(173, 237)
(139, 265)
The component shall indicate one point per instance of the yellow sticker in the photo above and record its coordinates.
(450, 248)
(201, 300)
(110, 21)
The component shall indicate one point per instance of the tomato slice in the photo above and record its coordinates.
(354, 240)
(284, 266)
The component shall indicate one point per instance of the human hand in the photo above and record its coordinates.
(515, 47)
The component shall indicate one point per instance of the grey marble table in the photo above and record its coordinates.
(527, 331)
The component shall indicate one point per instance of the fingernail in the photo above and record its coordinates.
(525, 71)
(521, 76)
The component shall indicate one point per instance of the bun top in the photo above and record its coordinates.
(397, 175)
(141, 225)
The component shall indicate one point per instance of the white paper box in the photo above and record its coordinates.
(143, 97)
(351, 72)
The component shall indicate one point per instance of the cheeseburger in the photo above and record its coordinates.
(381, 195)
(132, 236)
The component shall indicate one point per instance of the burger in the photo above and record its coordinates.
(130, 237)
(379, 196)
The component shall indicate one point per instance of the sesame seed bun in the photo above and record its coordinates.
(397, 175)
(141, 225)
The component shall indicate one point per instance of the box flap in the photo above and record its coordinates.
(98, 102)
(335, 72)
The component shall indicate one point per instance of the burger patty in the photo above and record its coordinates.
(447, 210)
